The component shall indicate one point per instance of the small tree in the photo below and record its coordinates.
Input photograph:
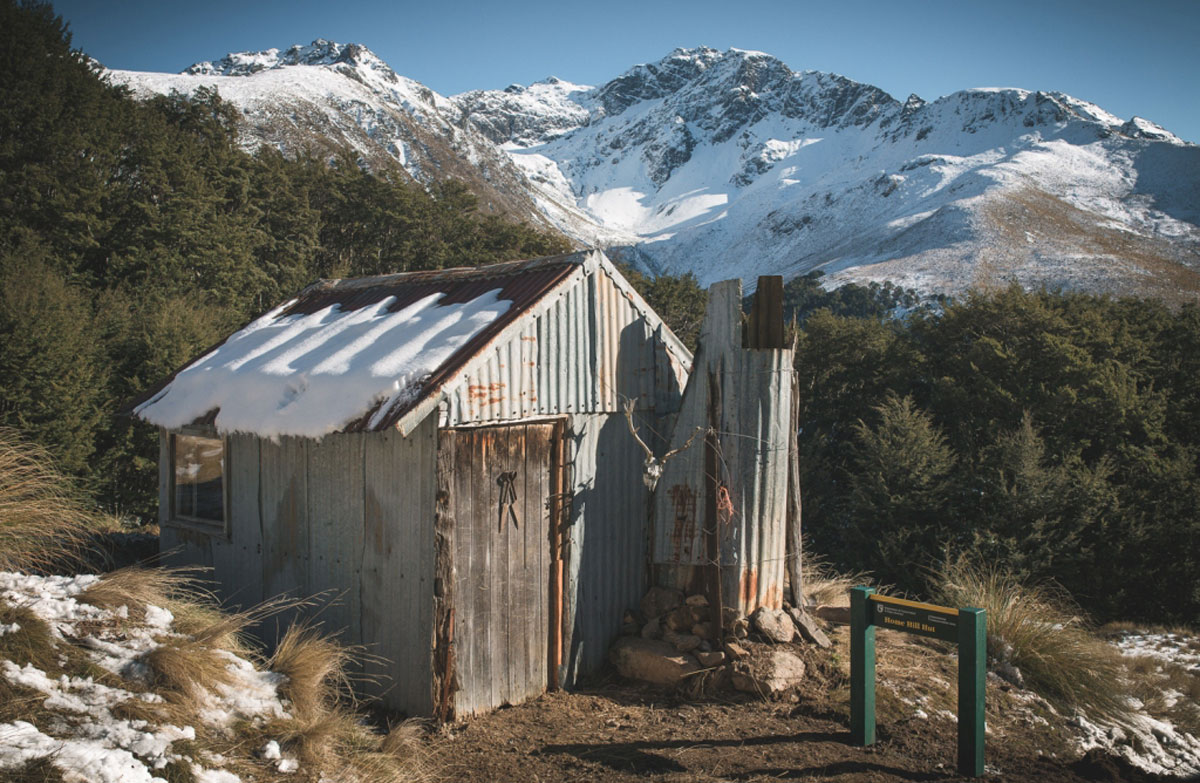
(898, 492)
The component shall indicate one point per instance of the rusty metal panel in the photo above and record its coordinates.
(397, 568)
(587, 349)
(606, 564)
(749, 509)
(593, 342)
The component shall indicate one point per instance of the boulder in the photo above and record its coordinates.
(684, 642)
(660, 600)
(652, 629)
(696, 600)
(680, 619)
(710, 659)
(808, 629)
(704, 630)
(652, 661)
(739, 628)
(771, 674)
(774, 624)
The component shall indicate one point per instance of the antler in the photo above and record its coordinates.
(654, 465)
(633, 430)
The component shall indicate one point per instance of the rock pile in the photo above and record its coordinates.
(673, 637)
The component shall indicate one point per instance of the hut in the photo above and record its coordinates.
(447, 454)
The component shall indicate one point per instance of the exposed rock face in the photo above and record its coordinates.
(731, 163)
(655, 662)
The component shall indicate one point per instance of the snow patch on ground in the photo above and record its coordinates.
(82, 736)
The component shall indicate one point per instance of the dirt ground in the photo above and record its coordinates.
(614, 730)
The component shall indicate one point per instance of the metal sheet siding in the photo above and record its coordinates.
(606, 554)
(584, 351)
(752, 447)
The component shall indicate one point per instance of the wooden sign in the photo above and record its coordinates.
(965, 627)
(940, 622)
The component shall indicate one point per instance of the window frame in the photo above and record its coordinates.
(198, 524)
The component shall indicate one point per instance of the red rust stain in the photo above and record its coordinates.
(528, 338)
(683, 499)
(773, 597)
(486, 393)
(747, 588)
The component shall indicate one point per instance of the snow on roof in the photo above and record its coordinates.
(351, 355)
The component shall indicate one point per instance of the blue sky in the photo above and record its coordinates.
(1131, 58)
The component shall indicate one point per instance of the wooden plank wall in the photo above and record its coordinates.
(335, 530)
(349, 517)
(501, 563)
(396, 601)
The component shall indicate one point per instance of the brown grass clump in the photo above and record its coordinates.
(325, 731)
(137, 587)
(825, 585)
(1037, 636)
(315, 668)
(43, 519)
(183, 670)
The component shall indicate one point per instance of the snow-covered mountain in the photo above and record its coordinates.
(322, 98)
(730, 163)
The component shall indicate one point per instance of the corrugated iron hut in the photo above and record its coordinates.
(445, 451)
(727, 510)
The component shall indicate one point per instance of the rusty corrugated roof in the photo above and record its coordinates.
(523, 283)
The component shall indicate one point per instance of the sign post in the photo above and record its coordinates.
(965, 627)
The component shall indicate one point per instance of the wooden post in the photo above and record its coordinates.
(862, 668)
(972, 680)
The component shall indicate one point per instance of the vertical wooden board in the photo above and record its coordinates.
(283, 481)
(522, 592)
(511, 562)
(537, 547)
(467, 629)
(164, 479)
(396, 599)
(501, 442)
(237, 560)
(335, 499)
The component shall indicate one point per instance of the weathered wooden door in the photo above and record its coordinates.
(499, 483)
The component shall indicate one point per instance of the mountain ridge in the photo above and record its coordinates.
(731, 163)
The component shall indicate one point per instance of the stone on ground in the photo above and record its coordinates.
(809, 629)
(775, 624)
(771, 674)
(652, 661)
(660, 600)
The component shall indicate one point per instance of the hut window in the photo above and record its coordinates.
(198, 480)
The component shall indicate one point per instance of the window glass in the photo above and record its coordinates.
(199, 478)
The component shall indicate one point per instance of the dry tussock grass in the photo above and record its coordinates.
(1038, 630)
(137, 587)
(824, 585)
(326, 731)
(183, 670)
(44, 521)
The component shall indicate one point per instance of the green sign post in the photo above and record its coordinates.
(966, 627)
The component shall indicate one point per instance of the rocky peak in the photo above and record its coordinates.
(319, 52)
(649, 81)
